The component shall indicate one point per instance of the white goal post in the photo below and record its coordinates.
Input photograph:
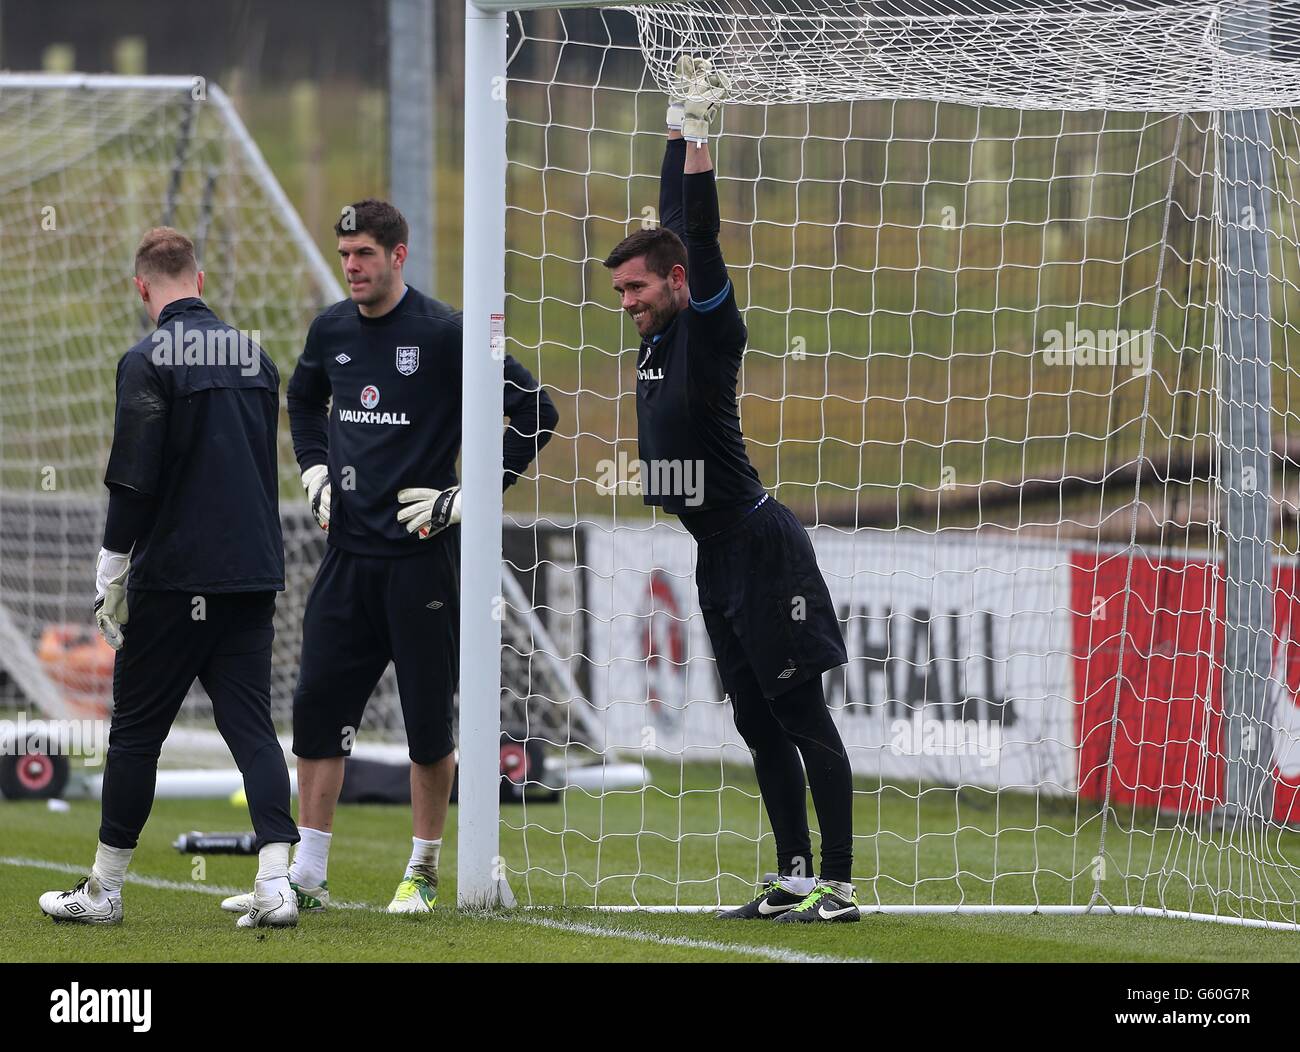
(1022, 283)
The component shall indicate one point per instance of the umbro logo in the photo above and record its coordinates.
(343, 359)
(788, 673)
(435, 605)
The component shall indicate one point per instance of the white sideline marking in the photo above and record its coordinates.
(131, 878)
(160, 883)
(771, 953)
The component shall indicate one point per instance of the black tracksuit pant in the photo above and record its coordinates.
(172, 639)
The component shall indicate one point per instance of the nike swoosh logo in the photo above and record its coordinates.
(826, 914)
(648, 351)
(767, 910)
(258, 912)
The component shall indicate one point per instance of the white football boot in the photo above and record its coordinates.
(310, 900)
(87, 903)
(270, 909)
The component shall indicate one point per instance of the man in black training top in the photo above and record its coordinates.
(769, 616)
(379, 467)
(194, 517)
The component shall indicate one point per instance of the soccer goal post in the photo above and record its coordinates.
(1021, 283)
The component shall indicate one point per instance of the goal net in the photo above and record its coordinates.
(1022, 285)
(87, 164)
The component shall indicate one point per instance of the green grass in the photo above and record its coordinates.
(669, 834)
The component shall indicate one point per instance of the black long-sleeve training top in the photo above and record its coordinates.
(395, 421)
(688, 425)
(192, 472)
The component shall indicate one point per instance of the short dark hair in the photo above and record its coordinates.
(377, 218)
(164, 252)
(662, 249)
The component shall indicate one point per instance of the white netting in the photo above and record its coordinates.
(1054, 54)
(87, 164)
(987, 367)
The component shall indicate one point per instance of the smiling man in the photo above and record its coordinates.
(379, 467)
(766, 607)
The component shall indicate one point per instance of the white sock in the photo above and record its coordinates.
(843, 887)
(110, 867)
(424, 858)
(273, 868)
(311, 860)
(798, 885)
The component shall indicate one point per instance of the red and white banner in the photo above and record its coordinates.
(1155, 664)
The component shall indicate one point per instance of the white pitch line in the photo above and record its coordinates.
(160, 883)
(131, 878)
(771, 953)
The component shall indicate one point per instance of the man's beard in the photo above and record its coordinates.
(660, 319)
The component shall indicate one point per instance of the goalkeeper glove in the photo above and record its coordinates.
(702, 88)
(110, 595)
(676, 107)
(316, 481)
(429, 511)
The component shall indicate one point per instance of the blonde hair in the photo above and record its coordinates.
(165, 252)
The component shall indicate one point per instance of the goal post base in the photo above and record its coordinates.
(498, 896)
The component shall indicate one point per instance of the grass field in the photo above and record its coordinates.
(171, 915)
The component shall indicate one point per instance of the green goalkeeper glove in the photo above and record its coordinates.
(702, 89)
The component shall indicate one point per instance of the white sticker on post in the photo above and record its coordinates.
(498, 337)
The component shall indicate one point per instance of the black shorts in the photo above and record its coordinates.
(363, 612)
(765, 603)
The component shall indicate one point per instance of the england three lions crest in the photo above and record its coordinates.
(408, 360)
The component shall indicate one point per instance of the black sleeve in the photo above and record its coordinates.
(671, 214)
(706, 272)
(688, 206)
(308, 397)
(139, 426)
(129, 515)
(532, 417)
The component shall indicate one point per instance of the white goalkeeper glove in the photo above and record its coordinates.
(316, 481)
(429, 511)
(676, 105)
(110, 595)
(702, 89)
